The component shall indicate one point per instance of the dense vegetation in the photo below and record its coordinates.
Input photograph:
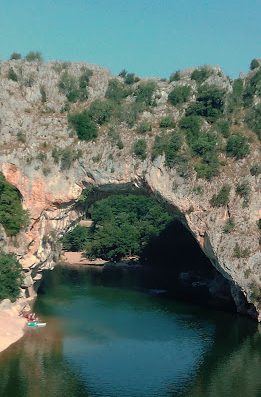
(75, 88)
(84, 126)
(12, 215)
(123, 225)
(206, 129)
(10, 276)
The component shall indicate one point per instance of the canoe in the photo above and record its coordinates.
(35, 324)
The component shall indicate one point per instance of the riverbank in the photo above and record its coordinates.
(78, 258)
(11, 325)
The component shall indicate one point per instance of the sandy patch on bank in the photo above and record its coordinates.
(78, 258)
(11, 327)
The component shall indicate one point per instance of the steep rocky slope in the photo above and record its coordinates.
(42, 156)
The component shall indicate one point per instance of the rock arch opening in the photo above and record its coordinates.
(173, 262)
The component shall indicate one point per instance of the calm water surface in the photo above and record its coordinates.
(107, 339)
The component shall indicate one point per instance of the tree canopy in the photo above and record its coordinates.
(10, 276)
(12, 215)
(122, 226)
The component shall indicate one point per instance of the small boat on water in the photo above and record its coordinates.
(36, 324)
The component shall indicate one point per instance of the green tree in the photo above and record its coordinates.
(174, 76)
(130, 78)
(237, 146)
(145, 92)
(253, 120)
(252, 88)
(255, 170)
(68, 86)
(12, 215)
(34, 56)
(201, 74)
(159, 146)
(123, 225)
(84, 126)
(223, 127)
(10, 277)
(12, 75)
(179, 95)
(243, 189)
(235, 98)
(191, 124)
(123, 73)
(101, 111)
(209, 103)
(172, 149)
(221, 199)
(229, 225)
(167, 122)
(144, 127)
(116, 90)
(76, 239)
(83, 84)
(140, 148)
(15, 56)
(254, 64)
(43, 94)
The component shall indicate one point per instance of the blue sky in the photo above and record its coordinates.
(148, 37)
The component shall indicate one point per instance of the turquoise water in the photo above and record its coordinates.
(107, 339)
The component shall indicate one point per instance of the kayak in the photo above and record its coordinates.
(36, 324)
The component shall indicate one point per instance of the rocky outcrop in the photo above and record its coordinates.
(50, 193)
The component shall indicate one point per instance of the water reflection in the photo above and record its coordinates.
(106, 341)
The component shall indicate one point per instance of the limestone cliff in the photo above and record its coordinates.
(33, 124)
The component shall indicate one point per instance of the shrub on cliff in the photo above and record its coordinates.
(12, 75)
(254, 64)
(223, 127)
(68, 86)
(75, 89)
(139, 149)
(144, 126)
(129, 78)
(15, 56)
(243, 189)
(76, 239)
(12, 215)
(253, 120)
(240, 252)
(179, 95)
(167, 122)
(145, 93)
(159, 146)
(116, 91)
(84, 126)
(235, 99)
(209, 103)
(200, 75)
(34, 56)
(174, 76)
(172, 149)
(255, 170)
(221, 199)
(252, 88)
(101, 111)
(10, 276)
(237, 146)
(208, 167)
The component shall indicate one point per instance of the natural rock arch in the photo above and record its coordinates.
(53, 208)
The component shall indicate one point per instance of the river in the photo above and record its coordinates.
(108, 337)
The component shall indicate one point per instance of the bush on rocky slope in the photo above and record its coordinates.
(12, 215)
(10, 276)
